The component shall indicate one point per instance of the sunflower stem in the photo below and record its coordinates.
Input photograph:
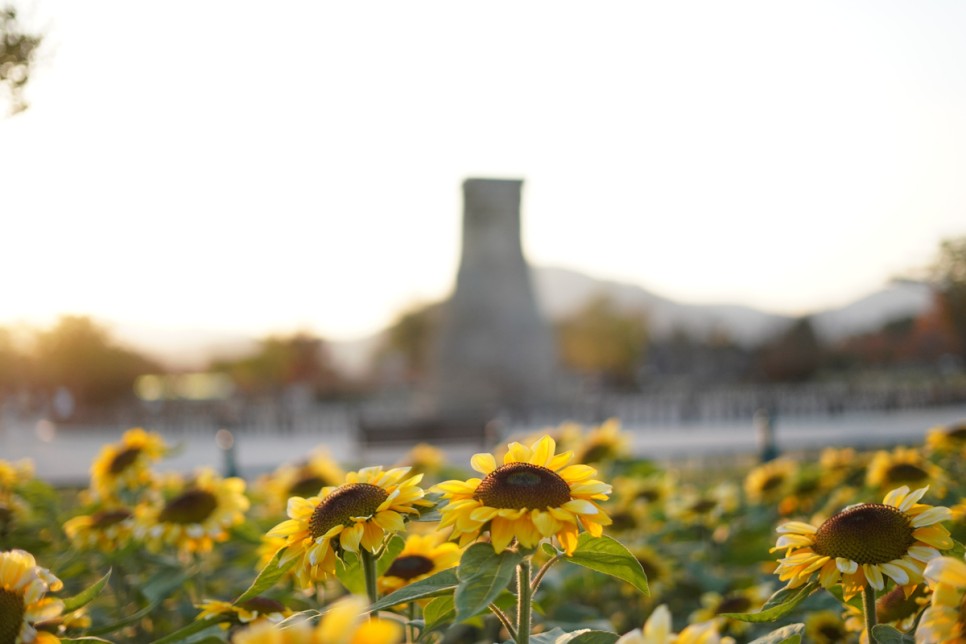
(537, 578)
(524, 598)
(507, 624)
(868, 607)
(369, 568)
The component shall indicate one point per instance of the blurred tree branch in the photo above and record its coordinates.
(18, 50)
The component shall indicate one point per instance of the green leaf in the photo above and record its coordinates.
(439, 611)
(483, 575)
(268, 576)
(958, 550)
(778, 605)
(885, 634)
(549, 550)
(348, 568)
(87, 595)
(547, 637)
(442, 582)
(610, 557)
(82, 640)
(587, 636)
(194, 627)
(791, 634)
(163, 583)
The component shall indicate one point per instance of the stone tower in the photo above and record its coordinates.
(495, 351)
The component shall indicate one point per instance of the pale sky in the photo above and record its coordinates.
(264, 167)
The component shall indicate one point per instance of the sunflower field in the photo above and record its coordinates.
(560, 537)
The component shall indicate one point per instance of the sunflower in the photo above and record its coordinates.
(251, 611)
(14, 474)
(742, 600)
(770, 481)
(657, 630)
(425, 459)
(904, 466)
(636, 499)
(949, 439)
(23, 606)
(705, 508)
(108, 529)
(603, 443)
(371, 503)
(895, 608)
(13, 507)
(826, 627)
(421, 557)
(345, 622)
(125, 465)
(192, 515)
(303, 479)
(945, 619)
(865, 543)
(534, 494)
(657, 568)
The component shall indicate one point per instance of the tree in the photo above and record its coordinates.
(409, 341)
(281, 361)
(948, 273)
(794, 356)
(81, 356)
(18, 51)
(14, 364)
(601, 339)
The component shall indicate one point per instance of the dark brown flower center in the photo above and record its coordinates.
(906, 473)
(733, 604)
(410, 566)
(308, 485)
(650, 495)
(262, 605)
(107, 518)
(703, 506)
(957, 433)
(346, 502)
(599, 452)
(522, 485)
(870, 533)
(772, 482)
(193, 506)
(124, 459)
(622, 521)
(832, 633)
(11, 616)
(651, 571)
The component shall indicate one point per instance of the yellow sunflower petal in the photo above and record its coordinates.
(936, 536)
(900, 575)
(483, 463)
(372, 537)
(567, 536)
(350, 537)
(560, 460)
(516, 453)
(543, 451)
(390, 521)
(873, 575)
(501, 533)
(931, 516)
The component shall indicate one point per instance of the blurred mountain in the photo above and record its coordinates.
(561, 292)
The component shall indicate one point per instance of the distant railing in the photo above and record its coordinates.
(664, 407)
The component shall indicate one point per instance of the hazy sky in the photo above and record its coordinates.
(263, 167)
